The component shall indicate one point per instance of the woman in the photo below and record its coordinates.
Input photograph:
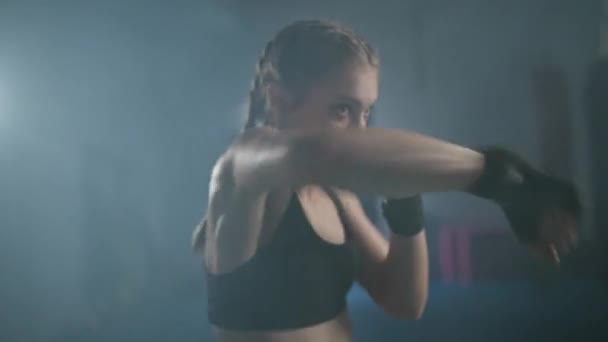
(284, 237)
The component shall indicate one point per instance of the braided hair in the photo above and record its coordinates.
(299, 55)
(296, 57)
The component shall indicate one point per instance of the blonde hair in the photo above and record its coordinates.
(301, 54)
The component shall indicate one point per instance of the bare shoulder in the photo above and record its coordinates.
(258, 162)
(233, 219)
(224, 180)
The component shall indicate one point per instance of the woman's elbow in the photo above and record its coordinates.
(407, 309)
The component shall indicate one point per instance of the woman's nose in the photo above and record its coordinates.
(359, 121)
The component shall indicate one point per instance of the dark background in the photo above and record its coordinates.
(112, 113)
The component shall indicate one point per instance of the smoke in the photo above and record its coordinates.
(112, 114)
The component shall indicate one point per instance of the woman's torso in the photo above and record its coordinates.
(298, 276)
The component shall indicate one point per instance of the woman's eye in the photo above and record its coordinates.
(341, 111)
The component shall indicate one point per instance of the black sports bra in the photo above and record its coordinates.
(296, 280)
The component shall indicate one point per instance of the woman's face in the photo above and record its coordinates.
(343, 98)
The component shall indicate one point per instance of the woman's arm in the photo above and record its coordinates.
(394, 272)
(380, 161)
(397, 163)
(386, 162)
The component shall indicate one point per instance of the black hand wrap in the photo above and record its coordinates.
(404, 216)
(524, 194)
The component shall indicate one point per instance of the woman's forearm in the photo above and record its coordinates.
(386, 162)
(394, 272)
(397, 163)
(407, 272)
